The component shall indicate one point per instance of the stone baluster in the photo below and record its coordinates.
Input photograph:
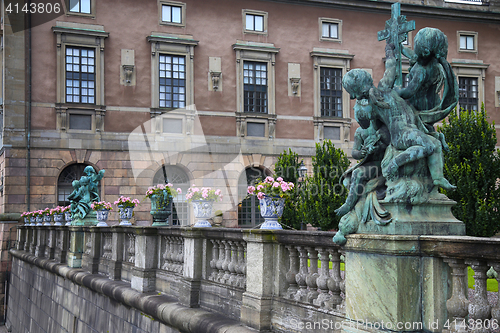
(92, 251)
(312, 277)
(50, 248)
(168, 252)
(61, 244)
(336, 284)
(324, 298)
(131, 248)
(292, 272)
(242, 266)
(479, 309)
(458, 304)
(227, 260)
(144, 270)
(232, 267)
(41, 240)
(301, 277)
(88, 244)
(32, 243)
(178, 254)
(495, 312)
(107, 245)
(21, 237)
(215, 258)
(220, 261)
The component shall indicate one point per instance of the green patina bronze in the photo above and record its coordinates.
(401, 153)
(85, 191)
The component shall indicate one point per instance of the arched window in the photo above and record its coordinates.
(66, 177)
(180, 207)
(248, 209)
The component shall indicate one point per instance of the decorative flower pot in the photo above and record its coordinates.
(32, 220)
(125, 215)
(46, 219)
(202, 212)
(271, 210)
(67, 217)
(39, 220)
(58, 219)
(26, 220)
(102, 217)
(161, 208)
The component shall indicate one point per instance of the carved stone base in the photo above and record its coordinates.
(431, 218)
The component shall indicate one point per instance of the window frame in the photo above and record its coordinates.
(80, 80)
(255, 52)
(326, 20)
(181, 102)
(472, 34)
(92, 13)
(254, 84)
(177, 45)
(264, 15)
(471, 69)
(477, 105)
(337, 59)
(181, 5)
(88, 36)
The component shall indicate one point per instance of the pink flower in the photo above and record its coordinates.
(279, 179)
(260, 195)
(204, 194)
(170, 185)
(218, 192)
(179, 190)
(250, 189)
(291, 185)
(276, 184)
(269, 179)
(260, 187)
(284, 187)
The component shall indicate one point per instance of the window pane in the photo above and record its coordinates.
(326, 30)
(259, 23)
(334, 30)
(176, 14)
(250, 25)
(166, 13)
(331, 133)
(256, 129)
(74, 6)
(85, 6)
(80, 121)
(172, 126)
(470, 43)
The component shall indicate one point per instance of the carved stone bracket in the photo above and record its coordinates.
(295, 81)
(128, 71)
(215, 76)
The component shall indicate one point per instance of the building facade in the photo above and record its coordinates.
(205, 92)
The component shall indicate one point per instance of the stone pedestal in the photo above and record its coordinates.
(192, 268)
(143, 273)
(89, 220)
(390, 286)
(257, 299)
(431, 218)
(75, 247)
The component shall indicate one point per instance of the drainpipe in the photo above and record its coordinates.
(28, 127)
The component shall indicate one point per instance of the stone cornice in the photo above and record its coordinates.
(466, 13)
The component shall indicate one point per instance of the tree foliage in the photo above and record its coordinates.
(473, 165)
(287, 168)
(322, 193)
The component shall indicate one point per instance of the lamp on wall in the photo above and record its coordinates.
(302, 171)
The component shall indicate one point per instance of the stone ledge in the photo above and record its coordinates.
(161, 307)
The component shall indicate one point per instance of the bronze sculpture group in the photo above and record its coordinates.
(401, 153)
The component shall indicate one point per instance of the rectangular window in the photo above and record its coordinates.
(468, 93)
(80, 122)
(80, 75)
(467, 42)
(254, 22)
(172, 126)
(172, 83)
(255, 86)
(79, 6)
(331, 133)
(256, 129)
(330, 30)
(171, 14)
(331, 92)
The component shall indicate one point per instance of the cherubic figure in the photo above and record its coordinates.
(369, 147)
(430, 72)
(400, 119)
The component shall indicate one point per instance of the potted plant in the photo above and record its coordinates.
(126, 207)
(203, 201)
(102, 209)
(161, 197)
(58, 213)
(271, 194)
(47, 217)
(38, 214)
(26, 217)
(67, 215)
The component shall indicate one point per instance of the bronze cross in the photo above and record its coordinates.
(396, 31)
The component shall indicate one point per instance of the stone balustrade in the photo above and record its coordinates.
(271, 280)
